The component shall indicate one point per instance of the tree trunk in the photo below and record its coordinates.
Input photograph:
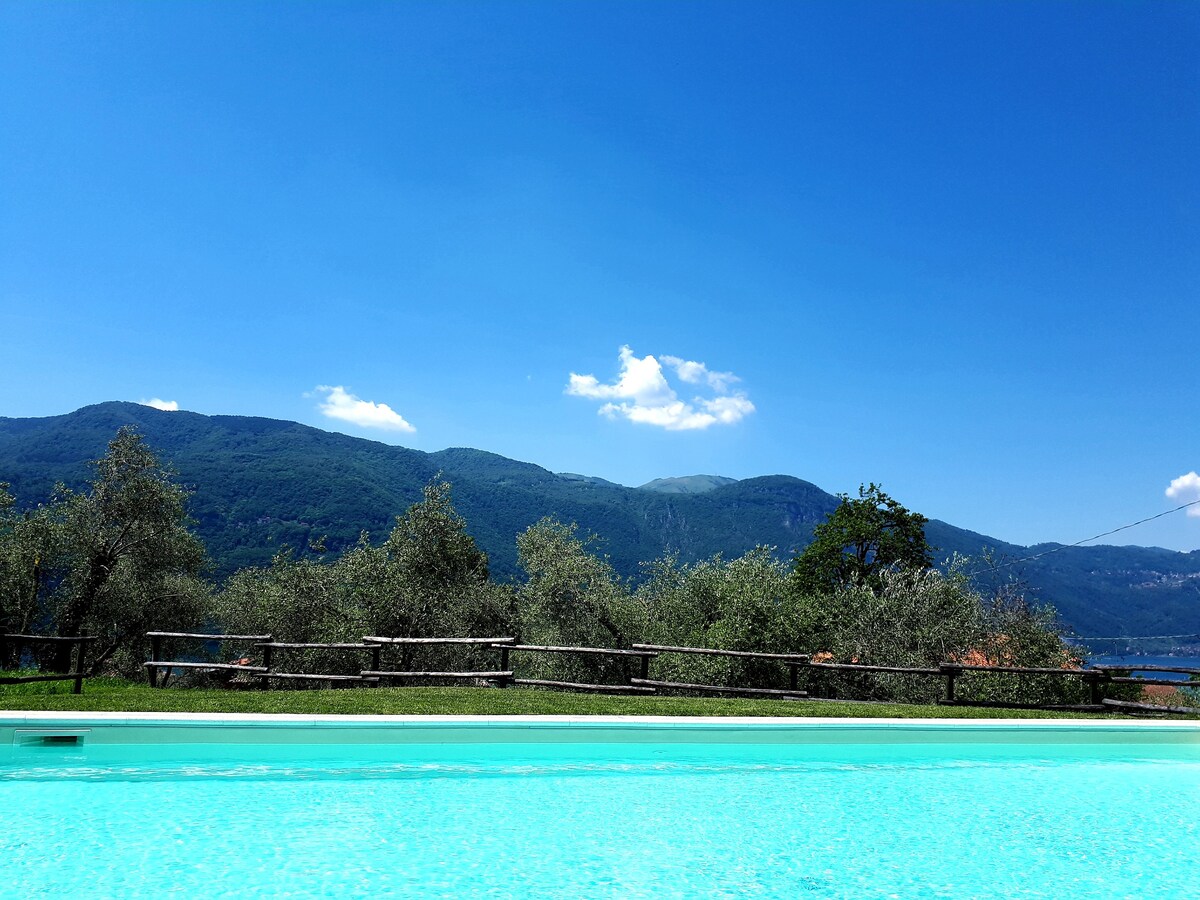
(77, 610)
(103, 656)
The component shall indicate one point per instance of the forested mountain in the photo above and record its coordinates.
(259, 484)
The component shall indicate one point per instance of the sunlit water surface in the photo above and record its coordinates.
(606, 820)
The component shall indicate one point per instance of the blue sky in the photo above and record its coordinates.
(951, 248)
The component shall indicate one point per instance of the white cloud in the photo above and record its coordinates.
(165, 405)
(641, 381)
(729, 409)
(1186, 488)
(642, 394)
(698, 373)
(341, 404)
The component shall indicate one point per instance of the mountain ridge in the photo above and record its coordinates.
(261, 483)
(687, 484)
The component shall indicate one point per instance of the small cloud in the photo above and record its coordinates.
(698, 373)
(729, 409)
(642, 394)
(1187, 489)
(164, 405)
(341, 404)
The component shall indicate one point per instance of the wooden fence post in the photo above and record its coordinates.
(951, 672)
(503, 664)
(155, 656)
(1094, 692)
(79, 667)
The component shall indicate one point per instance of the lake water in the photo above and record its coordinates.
(1133, 662)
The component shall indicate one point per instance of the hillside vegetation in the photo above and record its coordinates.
(116, 559)
(257, 485)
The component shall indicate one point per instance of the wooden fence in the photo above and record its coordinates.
(79, 673)
(502, 674)
(499, 675)
(1127, 705)
(157, 662)
(269, 649)
(641, 654)
(794, 662)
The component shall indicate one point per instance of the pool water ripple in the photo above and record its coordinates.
(610, 821)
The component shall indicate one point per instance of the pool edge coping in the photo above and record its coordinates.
(34, 718)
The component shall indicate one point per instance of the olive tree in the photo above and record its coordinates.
(297, 600)
(427, 579)
(921, 618)
(29, 542)
(114, 560)
(738, 604)
(572, 597)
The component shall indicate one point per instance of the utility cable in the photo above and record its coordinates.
(1079, 543)
(1140, 637)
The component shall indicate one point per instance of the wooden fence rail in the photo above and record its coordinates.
(156, 661)
(643, 655)
(952, 671)
(268, 672)
(1183, 670)
(79, 673)
(499, 676)
(794, 662)
(503, 675)
(1118, 679)
(444, 640)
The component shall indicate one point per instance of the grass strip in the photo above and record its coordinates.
(116, 695)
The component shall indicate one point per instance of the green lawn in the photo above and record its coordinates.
(114, 695)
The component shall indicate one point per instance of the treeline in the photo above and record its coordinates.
(118, 560)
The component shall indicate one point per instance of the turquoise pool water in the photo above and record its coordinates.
(558, 813)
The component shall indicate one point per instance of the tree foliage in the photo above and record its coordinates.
(294, 600)
(723, 604)
(29, 543)
(572, 597)
(570, 594)
(427, 579)
(432, 571)
(860, 539)
(115, 560)
(921, 618)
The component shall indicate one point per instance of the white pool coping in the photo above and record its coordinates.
(298, 720)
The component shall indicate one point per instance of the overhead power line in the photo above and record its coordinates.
(1139, 637)
(1079, 543)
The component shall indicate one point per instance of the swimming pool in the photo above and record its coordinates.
(224, 806)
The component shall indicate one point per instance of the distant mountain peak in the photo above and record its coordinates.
(588, 479)
(687, 484)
